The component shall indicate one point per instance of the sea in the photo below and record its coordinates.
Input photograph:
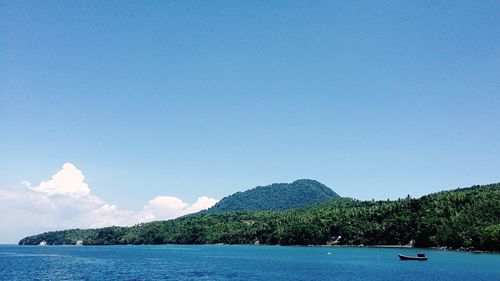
(231, 262)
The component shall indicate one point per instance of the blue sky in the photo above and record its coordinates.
(191, 98)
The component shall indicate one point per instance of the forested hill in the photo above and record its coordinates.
(276, 197)
(463, 218)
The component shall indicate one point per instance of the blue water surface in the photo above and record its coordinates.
(223, 262)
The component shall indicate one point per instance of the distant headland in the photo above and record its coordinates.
(307, 212)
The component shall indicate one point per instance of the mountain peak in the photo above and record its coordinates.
(276, 197)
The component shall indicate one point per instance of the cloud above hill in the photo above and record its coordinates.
(66, 201)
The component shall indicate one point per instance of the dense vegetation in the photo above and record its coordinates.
(276, 197)
(463, 218)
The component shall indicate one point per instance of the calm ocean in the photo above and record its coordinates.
(213, 262)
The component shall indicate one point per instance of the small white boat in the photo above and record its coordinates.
(419, 257)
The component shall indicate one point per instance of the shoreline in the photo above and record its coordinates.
(277, 245)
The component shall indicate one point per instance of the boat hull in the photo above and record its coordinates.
(410, 258)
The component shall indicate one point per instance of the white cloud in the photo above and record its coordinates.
(168, 207)
(202, 203)
(68, 181)
(66, 201)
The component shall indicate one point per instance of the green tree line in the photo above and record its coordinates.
(463, 218)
